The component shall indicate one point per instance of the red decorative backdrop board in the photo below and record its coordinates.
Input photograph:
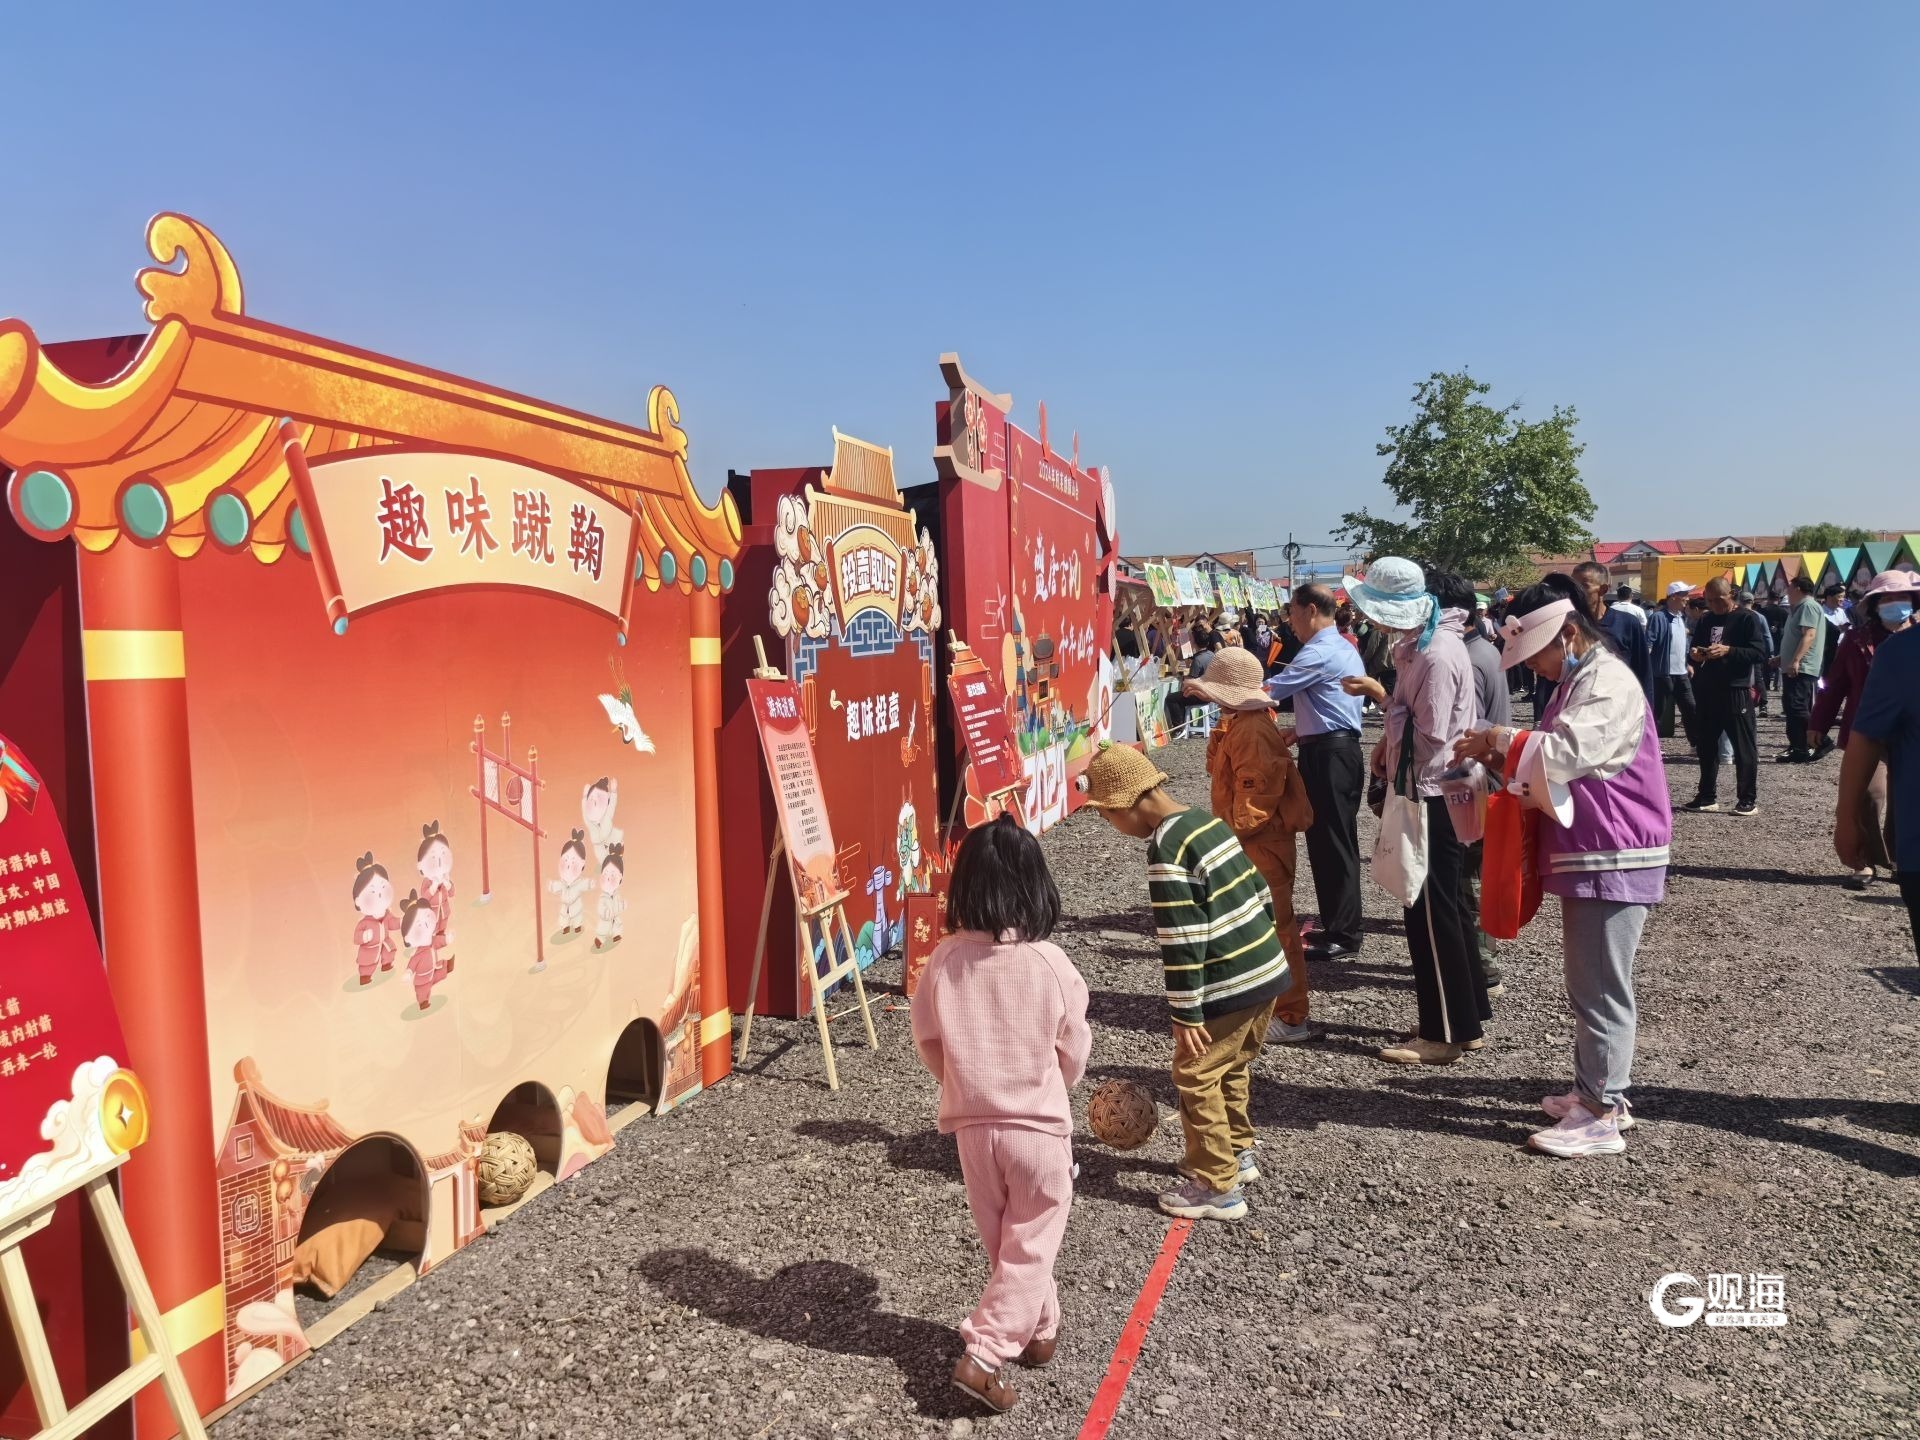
(68, 1104)
(849, 606)
(1031, 545)
(926, 927)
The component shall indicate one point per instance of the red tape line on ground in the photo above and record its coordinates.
(1106, 1400)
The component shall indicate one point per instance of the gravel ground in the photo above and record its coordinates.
(782, 1261)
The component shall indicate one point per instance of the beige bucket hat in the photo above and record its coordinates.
(1118, 775)
(1234, 681)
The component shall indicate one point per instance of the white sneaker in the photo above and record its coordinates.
(1561, 1106)
(1580, 1134)
(1279, 1032)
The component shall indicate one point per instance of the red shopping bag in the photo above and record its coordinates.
(1509, 871)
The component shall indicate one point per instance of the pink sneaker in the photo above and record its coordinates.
(1561, 1106)
(1580, 1134)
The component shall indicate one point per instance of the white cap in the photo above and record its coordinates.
(1679, 587)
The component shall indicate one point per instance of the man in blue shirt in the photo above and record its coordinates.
(1886, 726)
(1326, 723)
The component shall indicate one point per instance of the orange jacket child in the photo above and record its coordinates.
(1258, 792)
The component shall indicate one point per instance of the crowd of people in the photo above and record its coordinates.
(1001, 1014)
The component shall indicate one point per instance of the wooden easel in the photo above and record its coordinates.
(57, 1421)
(822, 917)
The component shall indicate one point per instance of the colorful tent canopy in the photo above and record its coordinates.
(1908, 552)
(1812, 563)
(1880, 554)
(1841, 560)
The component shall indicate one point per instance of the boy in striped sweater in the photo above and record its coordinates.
(1225, 967)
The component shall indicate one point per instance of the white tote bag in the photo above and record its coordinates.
(1400, 854)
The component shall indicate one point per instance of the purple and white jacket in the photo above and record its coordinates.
(1597, 744)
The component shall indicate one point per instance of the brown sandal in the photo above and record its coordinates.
(989, 1387)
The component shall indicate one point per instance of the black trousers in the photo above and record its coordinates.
(1673, 694)
(1335, 775)
(1910, 892)
(1796, 702)
(1728, 712)
(1441, 937)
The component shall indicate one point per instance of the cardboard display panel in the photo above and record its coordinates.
(850, 611)
(1032, 543)
(382, 667)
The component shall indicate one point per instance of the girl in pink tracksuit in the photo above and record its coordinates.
(1000, 1018)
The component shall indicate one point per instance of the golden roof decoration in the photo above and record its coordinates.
(863, 470)
(183, 445)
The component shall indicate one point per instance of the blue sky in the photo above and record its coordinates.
(1222, 243)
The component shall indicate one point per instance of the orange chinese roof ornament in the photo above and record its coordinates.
(184, 445)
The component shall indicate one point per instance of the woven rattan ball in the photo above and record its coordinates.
(1122, 1114)
(506, 1168)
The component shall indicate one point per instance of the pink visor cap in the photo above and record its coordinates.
(1525, 636)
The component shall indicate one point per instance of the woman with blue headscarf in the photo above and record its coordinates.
(1432, 706)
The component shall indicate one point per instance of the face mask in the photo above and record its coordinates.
(1570, 664)
(1894, 613)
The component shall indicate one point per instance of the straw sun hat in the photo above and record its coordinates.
(1233, 681)
(1118, 775)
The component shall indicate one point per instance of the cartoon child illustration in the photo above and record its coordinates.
(571, 887)
(916, 866)
(373, 898)
(435, 859)
(613, 870)
(596, 808)
(419, 927)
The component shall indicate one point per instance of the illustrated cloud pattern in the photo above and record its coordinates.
(75, 1141)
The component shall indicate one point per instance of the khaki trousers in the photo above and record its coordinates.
(1214, 1090)
(1275, 854)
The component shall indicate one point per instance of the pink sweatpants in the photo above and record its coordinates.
(1020, 1188)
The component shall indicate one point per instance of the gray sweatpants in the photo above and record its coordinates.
(1600, 937)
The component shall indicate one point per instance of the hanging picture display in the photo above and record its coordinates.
(849, 609)
(1160, 580)
(400, 693)
(1030, 541)
(1194, 587)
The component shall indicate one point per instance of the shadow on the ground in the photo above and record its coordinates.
(1748, 874)
(818, 1304)
(1758, 1117)
(1282, 1105)
(1335, 975)
(1900, 979)
(929, 1150)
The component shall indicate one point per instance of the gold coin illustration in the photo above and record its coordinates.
(123, 1111)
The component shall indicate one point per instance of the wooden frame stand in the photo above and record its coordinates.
(823, 918)
(57, 1421)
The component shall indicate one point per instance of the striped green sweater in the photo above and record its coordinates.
(1214, 919)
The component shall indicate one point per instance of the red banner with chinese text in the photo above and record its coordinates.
(796, 791)
(68, 1104)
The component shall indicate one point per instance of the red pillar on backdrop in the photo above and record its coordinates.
(716, 1023)
(135, 666)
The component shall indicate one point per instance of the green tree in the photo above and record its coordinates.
(1482, 489)
(1826, 535)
